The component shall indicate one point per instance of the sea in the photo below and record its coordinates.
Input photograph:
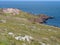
(50, 8)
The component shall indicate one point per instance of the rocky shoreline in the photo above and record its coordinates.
(42, 18)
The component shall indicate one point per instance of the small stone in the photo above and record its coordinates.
(49, 29)
(24, 44)
(2, 21)
(10, 33)
(17, 38)
(42, 43)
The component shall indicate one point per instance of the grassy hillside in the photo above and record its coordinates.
(12, 26)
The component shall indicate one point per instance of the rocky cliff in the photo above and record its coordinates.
(17, 29)
(13, 11)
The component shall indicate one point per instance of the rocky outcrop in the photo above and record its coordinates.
(13, 11)
(41, 18)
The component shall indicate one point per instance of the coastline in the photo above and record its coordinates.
(49, 8)
(15, 28)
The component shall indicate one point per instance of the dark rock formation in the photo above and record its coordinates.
(41, 18)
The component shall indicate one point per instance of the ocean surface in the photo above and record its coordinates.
(50, 8)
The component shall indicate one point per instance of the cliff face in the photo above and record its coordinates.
(19, 30)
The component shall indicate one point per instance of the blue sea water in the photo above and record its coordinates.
(50, 8)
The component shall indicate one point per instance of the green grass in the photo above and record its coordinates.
(20, 25)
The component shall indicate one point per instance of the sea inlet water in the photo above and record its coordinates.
(50, 8)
